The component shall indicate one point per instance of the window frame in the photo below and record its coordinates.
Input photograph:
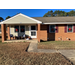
(50, 28)
(67, 28)
(20, 29)
(35, 28)
(14, 29)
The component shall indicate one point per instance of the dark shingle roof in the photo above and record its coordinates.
(55, 19)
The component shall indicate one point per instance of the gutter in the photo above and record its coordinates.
(60, 23)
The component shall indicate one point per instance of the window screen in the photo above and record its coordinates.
(70, 28)
(16, 28)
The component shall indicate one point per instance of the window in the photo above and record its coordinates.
(16, 28)
(22, 28)
(0, 28)
(70, 28)
(52, 28)
(33, 33)
(33, 27)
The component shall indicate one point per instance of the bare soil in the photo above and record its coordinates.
(15, 54)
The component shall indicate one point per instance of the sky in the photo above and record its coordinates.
(29, 12)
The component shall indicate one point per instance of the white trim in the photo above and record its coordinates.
(32, 30)
(60, 23)
(72, 28)
(49, 29)
(21, 15)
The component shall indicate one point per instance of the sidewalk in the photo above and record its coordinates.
(33, 46)
(70, 54)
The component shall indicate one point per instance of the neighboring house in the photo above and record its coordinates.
(41, 28)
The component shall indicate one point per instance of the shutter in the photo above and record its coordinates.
(73, 28)
(56, 28)
(47, 28)
(65, 28)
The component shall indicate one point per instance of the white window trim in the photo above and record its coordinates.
(32, 30)
(49, 29)
(67, 28)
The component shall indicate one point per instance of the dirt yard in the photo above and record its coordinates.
(15, 54)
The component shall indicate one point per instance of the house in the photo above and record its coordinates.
(40, 28)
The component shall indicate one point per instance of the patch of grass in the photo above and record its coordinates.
(23, 41)
(57, 45)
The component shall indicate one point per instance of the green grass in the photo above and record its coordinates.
(57, 45)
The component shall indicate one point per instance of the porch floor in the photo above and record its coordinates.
(21, 40)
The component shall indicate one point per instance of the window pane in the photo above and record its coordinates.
(52, 28)
(16, 28)
(33, 27)
(33, 33)
(69, 28)
(22, 28)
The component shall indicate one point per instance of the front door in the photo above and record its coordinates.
(33, 31)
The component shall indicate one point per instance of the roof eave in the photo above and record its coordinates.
(60, 23)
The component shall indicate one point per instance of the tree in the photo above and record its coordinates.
(8, 17)
(59, 13)
(49, 14)
(71, 13)
(1, 19)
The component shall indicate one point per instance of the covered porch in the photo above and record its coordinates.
(31, 32)
(20, 25)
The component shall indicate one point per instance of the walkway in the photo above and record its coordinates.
(70, 54)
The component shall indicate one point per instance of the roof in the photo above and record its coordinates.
(23, 19)
(56, 19)
(20, 19)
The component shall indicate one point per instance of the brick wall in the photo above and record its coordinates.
(61, 35)
(43, 32)
(64, 36)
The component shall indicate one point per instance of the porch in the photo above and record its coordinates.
(21, 40)
(16, 26)
(30, 33)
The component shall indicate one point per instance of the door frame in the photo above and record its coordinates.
(32, 30)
